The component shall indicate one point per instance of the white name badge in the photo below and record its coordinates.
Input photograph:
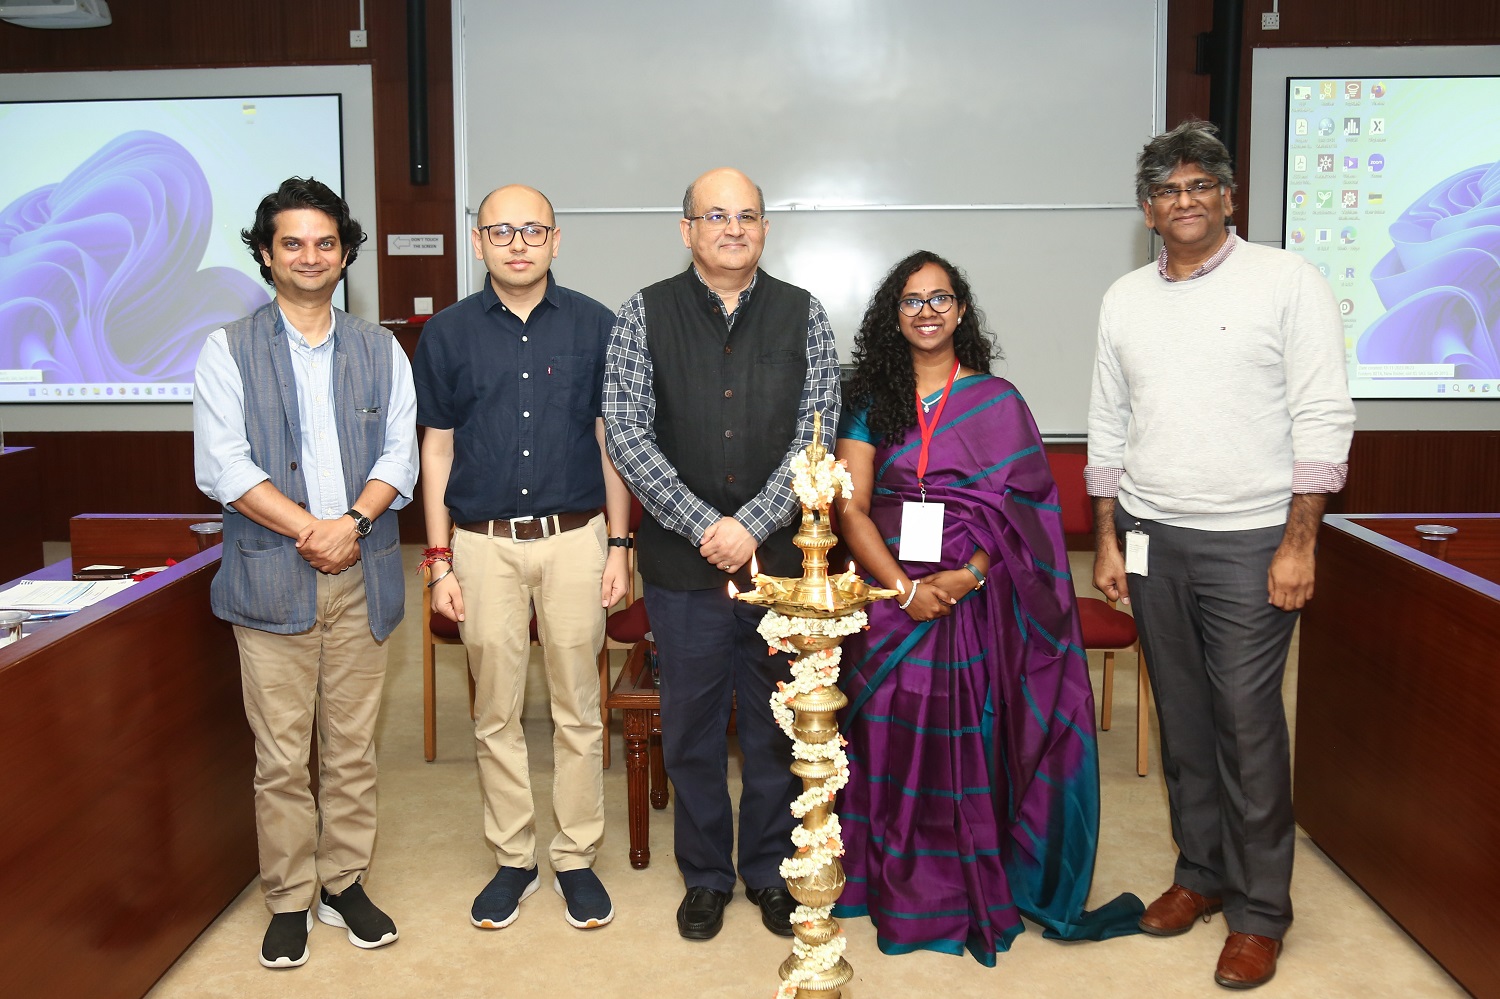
(1136, 543)
(921, 532)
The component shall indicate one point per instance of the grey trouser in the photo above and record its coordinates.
(1216, 651)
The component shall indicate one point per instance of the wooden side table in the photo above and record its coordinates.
(634, 693)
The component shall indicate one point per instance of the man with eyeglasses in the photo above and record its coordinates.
(1219, 421)
(714, 377)
(508, 387)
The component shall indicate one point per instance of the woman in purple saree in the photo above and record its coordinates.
(973, 797)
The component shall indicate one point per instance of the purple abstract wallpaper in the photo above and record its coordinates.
(1440, 282)
(101, 276)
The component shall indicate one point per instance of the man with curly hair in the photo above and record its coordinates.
(1219, 421)
(304, 429)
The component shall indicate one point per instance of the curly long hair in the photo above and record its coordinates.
(884, 381)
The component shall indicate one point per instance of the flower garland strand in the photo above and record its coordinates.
(816, 486)
(816, 847)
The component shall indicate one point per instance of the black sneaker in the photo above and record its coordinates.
(588, 903)
(500, 903)
(285, 945)
(352, 909)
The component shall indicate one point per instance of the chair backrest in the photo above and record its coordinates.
(1077, 508)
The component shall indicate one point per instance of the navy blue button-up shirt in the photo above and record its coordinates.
(521, 400)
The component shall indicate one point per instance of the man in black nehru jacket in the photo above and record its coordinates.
(703, 414)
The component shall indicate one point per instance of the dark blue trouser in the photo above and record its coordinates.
(710, 656)
(1215, 650)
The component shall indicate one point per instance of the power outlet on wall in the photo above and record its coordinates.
(421, 306)
(359, 39)
(1270, 21)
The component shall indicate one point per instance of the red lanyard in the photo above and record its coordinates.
(927, 429)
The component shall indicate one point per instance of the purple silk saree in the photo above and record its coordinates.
(974, 790)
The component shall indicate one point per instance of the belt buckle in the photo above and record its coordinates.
(527, 520)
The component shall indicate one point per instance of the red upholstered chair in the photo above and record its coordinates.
(1104, 625)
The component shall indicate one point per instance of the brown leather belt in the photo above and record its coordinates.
(531, 528)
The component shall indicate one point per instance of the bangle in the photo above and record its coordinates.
(442, 577)
(912, 595)
(977, 574)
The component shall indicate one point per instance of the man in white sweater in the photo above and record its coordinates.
(1219, 421)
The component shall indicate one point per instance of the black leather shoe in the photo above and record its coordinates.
(776, 905)
(701, 914)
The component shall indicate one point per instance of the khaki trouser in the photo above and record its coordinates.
(500, 580)
(333, 672)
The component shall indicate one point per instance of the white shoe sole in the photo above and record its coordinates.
(587, 924)
(331, 916)
(490, 924)
(287, 962)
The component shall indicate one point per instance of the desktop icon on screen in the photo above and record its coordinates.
(1299, 163)
(1325, 163)
(1348, 273)
(1346, 306)
(1323, 236)
(1377, 90)
(1351, 126)
(1299, 199)
(1348, 234)
(1302, 93)
(1300, 127)
(1376, 162)
(1350, 199)
(1377, 126)
(1374, 199)
(1351, 162)
(1325, 199)
(1327, 90)
(1351, 90)
(1297, 236)
(1325, 127)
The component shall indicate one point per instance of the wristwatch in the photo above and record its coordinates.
(621, 543)
(361, 523)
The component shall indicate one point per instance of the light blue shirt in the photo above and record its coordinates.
(221, 449)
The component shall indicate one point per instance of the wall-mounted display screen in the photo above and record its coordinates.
(1393, 191)
(120, 225)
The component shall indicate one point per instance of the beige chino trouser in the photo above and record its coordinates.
(331, 674)
(501, 579)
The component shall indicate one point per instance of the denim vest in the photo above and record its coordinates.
(263, 582)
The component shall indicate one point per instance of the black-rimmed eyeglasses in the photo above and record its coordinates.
(938, 304)
(719, 220)
(504, 235)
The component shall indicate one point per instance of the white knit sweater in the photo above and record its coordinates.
(1207, 391)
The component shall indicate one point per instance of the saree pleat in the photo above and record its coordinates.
(973, 797)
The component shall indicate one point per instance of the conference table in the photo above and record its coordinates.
(126, 768)
(1397, 772)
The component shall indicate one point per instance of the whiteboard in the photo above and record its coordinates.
(1001, 135)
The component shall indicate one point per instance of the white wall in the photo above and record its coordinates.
(1001, 135)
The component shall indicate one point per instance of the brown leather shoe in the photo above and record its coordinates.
(1247, 961)
(1177, 910)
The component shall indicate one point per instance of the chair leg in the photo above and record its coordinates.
(604, 696)
(1109, 692)
(429, 700)
(1142, 726)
